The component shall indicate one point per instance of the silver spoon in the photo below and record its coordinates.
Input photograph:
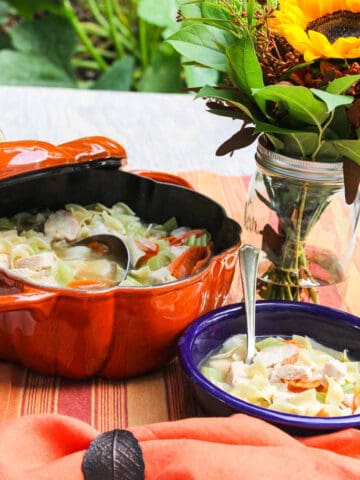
(116, 248)
(249, 259)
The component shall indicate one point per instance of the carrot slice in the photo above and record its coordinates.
(322, 413)
(188, 262)
(303, 383)
(98, 248)
(291, 341)
(180, 239)
(356, 401)
(291, 360)
(203, 261)
(88, 284)
(149, 248)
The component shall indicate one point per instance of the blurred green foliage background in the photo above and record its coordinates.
(99, 44)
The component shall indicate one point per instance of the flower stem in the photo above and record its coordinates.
(113, 31)
(98, 16)
(143, 44)
(322, 130)
(71, 15)
(284, 281)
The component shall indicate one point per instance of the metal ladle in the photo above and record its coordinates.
(249, 259)
(116, 248)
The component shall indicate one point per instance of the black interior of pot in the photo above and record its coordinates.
(100, 181)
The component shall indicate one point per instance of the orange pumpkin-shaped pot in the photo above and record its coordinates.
(122, 331)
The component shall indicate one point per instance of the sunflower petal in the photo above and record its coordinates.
(348, 47)
(294, 17)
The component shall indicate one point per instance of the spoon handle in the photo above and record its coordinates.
(249, 259)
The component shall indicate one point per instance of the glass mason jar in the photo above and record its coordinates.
(297, 214)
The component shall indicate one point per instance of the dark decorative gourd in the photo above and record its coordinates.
(114, 455)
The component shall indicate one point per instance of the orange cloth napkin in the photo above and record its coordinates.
(52, 447)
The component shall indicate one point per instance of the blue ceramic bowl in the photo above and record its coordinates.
(330, 327)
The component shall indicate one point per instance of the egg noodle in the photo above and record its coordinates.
(40, 247)
(297, 376)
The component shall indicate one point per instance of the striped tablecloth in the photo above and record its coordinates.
(159, 396)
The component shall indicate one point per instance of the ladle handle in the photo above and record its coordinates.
(249, 259)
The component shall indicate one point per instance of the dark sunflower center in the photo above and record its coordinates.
(337, 25)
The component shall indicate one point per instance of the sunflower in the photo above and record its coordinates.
(320, 28)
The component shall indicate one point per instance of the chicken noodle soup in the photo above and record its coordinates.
(296, 376)
(40, 247)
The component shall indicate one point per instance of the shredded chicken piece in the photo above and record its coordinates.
(290, 372)
(276, 355)
(335, 369)
(61, 225)
(238, 373)
(4, 260)
(36, 262)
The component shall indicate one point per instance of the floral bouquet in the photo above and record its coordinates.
(290, 71)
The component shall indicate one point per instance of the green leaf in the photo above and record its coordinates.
(332, 100)
(51, 37)
(27, 8)
(349, 149)
(339, 126)
(244, 65)
(163, 75)
(44, 49)
(203, 44)
(276, 142)
(328, 153)
(118, 77)
(158, 12)
(215, 11)
(18, 68)
(216, 14)
(5, 41)
(231, 96)
(199, 76)
(294, 142)
(250, 11)
(298, 144)
(302, 106)
(190, 9)
(5, 11)
(340, 85)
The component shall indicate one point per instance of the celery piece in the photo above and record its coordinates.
(35, 247)
(202, 240)
(348, 387)
(191, 241)
(321, 397)
(160, 260)
(269, 342)
(123, 208)
(62, 273)
(170, 224)
(212, 374)
(130, 281)
(163, 245)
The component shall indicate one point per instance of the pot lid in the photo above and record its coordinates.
(24, 156)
